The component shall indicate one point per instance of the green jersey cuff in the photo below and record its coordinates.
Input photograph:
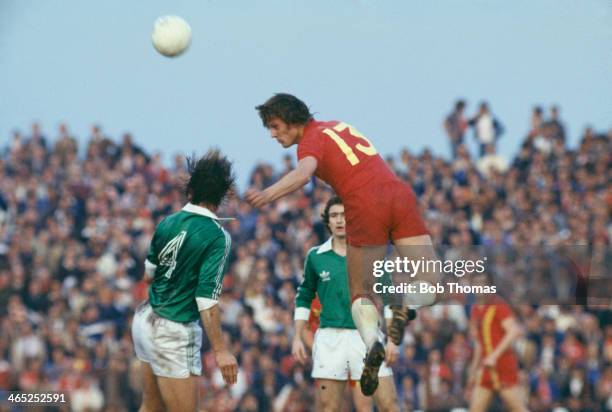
(205, 303)
(301, 314)
(149, 268)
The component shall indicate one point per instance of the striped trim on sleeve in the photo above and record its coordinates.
(219, 277)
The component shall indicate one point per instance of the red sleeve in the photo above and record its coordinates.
(311, 144)
(504, 312)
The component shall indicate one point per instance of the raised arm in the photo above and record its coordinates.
(291, 182)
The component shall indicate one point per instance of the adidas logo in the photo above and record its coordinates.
(324, 276)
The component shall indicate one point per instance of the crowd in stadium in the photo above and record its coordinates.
(75, 226)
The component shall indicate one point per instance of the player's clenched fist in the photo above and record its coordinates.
(256, 198)
(228, 365)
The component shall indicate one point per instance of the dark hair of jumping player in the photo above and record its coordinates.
(210, 178)
(285, 107)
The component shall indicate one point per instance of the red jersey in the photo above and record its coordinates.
(489, 318)
(346, 160)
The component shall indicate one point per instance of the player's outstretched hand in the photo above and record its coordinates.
(256, 198)
(391, 352)
(228, 365)
(299, 351)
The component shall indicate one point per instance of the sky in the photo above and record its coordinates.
(390, 68)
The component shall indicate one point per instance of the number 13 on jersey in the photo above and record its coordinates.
(366, 147)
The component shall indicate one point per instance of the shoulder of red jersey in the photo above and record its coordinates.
(314, 127)
(505, 311)
(312, 143)
(502, 308)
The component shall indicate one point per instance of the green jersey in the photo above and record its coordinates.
(325, 275)
(188, 255)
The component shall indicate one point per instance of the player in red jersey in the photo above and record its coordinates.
(379, 208)
(494, 368)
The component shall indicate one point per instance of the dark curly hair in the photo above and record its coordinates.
(286, 107)
(210, 178)
(331, 202)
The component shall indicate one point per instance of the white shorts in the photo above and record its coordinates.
(171, 348)
(339, 354)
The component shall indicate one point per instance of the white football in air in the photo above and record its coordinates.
(171, 35)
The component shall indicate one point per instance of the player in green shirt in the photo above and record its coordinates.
(338, 351)
(185, 266)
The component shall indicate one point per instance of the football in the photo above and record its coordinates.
(171, 36)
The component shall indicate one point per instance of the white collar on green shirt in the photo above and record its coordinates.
(325, 247)
(191, 208)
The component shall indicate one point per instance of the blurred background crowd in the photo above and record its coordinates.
(77, 215)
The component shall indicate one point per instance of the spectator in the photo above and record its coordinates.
(487, 129)
(455, 125)
(545, 388)
(557, 128)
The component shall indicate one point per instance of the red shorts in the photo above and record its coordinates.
(378, 214)
(498, 378)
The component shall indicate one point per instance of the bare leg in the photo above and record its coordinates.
(481, 399)
(360, 262)
(331, 394)
(386, 396)
(415, 249)
(362, 403)
(181, 395)
(419, 249)
(513, 398)
(151, 397)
